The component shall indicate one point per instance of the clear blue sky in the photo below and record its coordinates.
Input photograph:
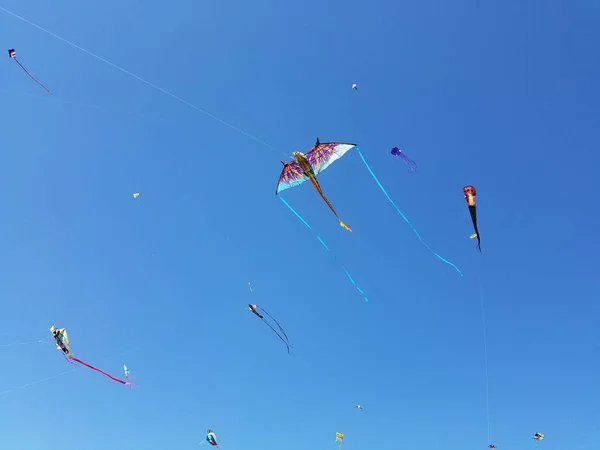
(503, 96)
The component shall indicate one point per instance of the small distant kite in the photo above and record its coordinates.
(250, 286)
(470, 195)
(538, 436)
(358, 407)
(306, 167)
(355, 87)
(62, 343)
(284, 338)
(126, 371)
(211, 438)
(339, 437)
(13, 54)
(492, 446)
(412, 166)
(136, 195)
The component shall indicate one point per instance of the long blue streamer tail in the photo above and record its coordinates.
(324, 245)
(402, 214)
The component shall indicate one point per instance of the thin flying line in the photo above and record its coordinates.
(152, 85)
(487, 379)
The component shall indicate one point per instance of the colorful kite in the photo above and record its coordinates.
(358, 407)
(538, 436)
(13, 54)
(339, 437)
(320, 157)
(412, 166)
(306, 167)
(126, 371)
(211, 438)
(62, 343)
(492, 446)
(470, 197)
(136, 194)
(255, 308)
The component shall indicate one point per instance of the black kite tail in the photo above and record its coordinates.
(473, 211)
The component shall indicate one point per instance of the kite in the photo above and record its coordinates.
(13, 54)
(412, 166)
(358, 407)
(339, 437)
(306, 167)
(250, 286)
(62, 343)
(355, 87)
(321, 156)
(136, 195)
(470, 195)
(492, 446)
(255, 308)
(538, 436)
(211, 438)
(126, 371)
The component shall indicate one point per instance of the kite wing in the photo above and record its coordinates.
(291, 176)
(322, 155)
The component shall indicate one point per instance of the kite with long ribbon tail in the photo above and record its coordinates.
(320, 157)
(62, 343)
(13, 54)
(470, 197)
(284, 338)
(306, 167)
(412, 166)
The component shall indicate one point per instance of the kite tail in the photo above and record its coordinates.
(473, 212)
(320, 191)
(31, 76)
(402, 214)
(279, 336)
(98, 370)
(275, 320)
(324, 245)
(412, 166)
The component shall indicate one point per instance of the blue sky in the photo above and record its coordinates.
(501, 95)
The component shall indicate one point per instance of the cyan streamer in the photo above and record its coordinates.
(402, 214)
(324, 245)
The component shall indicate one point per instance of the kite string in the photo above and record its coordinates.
(485, 354)
(402, 214)
(152, 85)
(41, 341)
(326, 248)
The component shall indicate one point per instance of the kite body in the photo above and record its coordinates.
(412, 166)
(470, 197)
(538, 436)
(355, 87)
(339, 437)
(306, 167)
(211, 438)
(13, 55)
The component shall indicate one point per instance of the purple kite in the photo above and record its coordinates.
(412, 166)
